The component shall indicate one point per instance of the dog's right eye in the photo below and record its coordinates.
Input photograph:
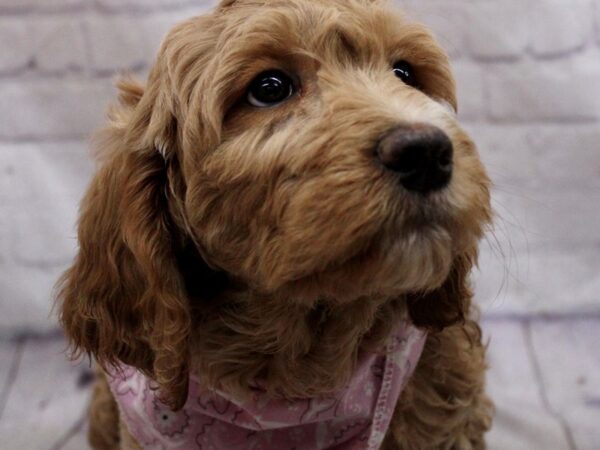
(270, 88)
(405, 71)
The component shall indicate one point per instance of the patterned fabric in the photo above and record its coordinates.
(356, 418)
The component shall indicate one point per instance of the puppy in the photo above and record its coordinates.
(275, 250)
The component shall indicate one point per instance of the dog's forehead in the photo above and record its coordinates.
(310, 25)
(300, 9)
(228, 3)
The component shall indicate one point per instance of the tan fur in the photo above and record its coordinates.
(239, 243)
(103, 432)
(444, 405)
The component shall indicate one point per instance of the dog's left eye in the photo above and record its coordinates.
(270, 88)
(405, 71)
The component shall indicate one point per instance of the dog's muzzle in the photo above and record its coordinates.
(420, 154)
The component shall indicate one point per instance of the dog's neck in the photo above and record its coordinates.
(293, 350)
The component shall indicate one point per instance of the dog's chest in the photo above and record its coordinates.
(356, 417)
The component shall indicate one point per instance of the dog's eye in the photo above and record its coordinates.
(404, 70)
(270, 88)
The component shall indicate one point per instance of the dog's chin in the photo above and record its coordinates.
(417, 260)
(393, 265)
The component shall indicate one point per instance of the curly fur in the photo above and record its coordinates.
(238, 243)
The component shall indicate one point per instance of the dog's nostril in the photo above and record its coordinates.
(420, 154)
(445, 159)
(407, 162)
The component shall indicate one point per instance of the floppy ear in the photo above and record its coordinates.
(123, 299)
(447, 305)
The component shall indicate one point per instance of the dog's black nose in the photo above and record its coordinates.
(420, 154)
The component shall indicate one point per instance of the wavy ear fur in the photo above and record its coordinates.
(450, 303)
(123, 299)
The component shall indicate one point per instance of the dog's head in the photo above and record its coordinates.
(304, 149)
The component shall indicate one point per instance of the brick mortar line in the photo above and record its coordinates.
(95, 7)
(537, 372)
(31, 74)
(8, 12)
(540, 318)
(87, 49)
(72, 139)
(63, 440)
(12, 374)
(145, 11)
(34, 337)
(43, 139)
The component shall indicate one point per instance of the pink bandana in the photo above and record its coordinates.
(355, 418)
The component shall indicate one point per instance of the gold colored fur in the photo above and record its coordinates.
(236, 242)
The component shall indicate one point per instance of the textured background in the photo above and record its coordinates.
(529, 83)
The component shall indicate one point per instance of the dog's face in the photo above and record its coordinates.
(300, 131)
(307, 149)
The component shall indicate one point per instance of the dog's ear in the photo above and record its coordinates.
(123, 299)
(447, 305)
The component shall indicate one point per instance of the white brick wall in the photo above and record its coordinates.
(59, 45)
(570, 22)
(36, 6)
(496, 30)
(16, 38)
(529, 89)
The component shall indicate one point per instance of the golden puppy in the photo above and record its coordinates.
(286, 214)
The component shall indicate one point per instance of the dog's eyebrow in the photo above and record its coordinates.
(312, 31)
(346, 39)
(346, 42)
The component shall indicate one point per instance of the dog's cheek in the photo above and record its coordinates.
(219, 221)
(326, 221)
